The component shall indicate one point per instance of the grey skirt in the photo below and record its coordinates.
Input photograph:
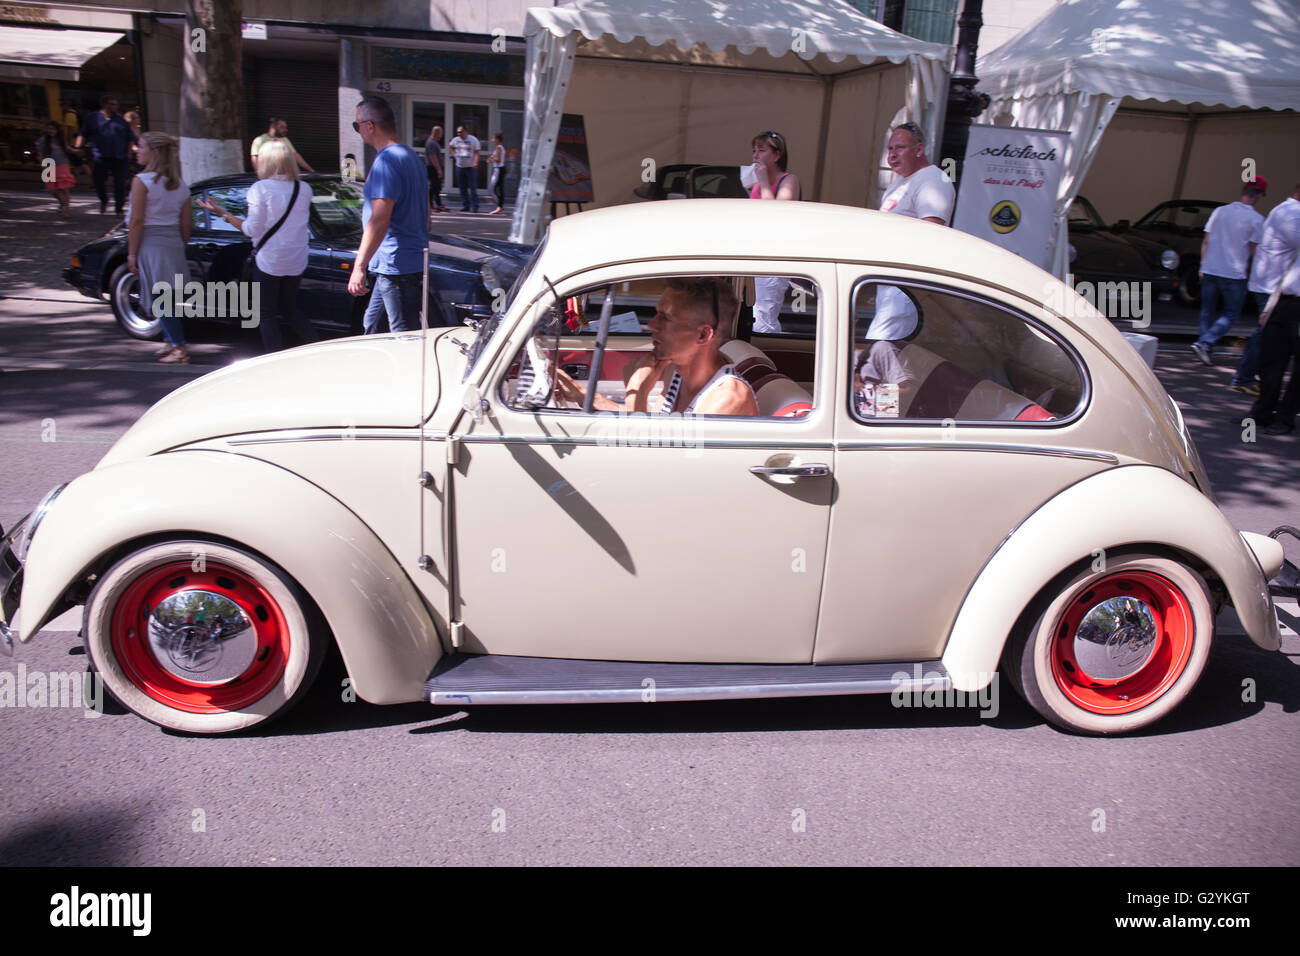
(161, 259)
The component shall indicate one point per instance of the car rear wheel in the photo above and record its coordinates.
(124, 296)
(201, 637)
(1115, 649)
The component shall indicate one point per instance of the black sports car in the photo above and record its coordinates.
(694, 181)
(1179, 224)
(1101, 258)
(462, 272)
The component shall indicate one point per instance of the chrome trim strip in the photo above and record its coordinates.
(630, 695)
(328, 434)
(649, 439)
(1105, 457)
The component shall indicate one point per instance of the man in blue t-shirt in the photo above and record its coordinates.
(396, 219)
(110, 140)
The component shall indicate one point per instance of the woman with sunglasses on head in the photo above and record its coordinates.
(771, 182)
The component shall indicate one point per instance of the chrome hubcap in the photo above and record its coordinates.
(202, 637)
(1115, 639)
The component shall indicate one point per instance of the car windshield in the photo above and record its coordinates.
(335, 208)
(1187, 218)
(1082, 214)
(487, 329)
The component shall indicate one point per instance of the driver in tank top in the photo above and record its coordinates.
(684, 357)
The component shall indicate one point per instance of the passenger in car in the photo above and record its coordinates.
(885, 381)
(684, 357)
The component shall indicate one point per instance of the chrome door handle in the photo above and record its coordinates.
(810, 470)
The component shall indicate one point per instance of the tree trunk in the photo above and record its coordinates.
(212, 92)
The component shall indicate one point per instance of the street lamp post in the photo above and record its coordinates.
(964, 103)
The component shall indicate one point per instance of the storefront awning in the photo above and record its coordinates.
(29, 53)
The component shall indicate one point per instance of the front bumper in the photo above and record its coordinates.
(80, 280)
(11, 586)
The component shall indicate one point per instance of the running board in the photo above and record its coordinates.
(461, 679)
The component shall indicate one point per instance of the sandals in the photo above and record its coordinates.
(177, 356)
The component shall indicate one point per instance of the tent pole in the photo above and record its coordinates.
(1186, 157)
(828, 93)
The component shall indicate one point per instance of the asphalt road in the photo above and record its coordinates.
(846, 781)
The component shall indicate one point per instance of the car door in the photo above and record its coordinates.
(955, 420)
(611, 536)
(219, 250)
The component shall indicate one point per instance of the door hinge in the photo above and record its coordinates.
(457, 633)
(453, 450)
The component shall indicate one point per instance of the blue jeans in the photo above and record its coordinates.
(399, 297)
(467, 180)
(1248, 367)
(1233, 294)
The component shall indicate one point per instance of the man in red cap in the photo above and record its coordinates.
(1231, 235)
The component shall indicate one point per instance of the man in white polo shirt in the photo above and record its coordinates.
(1277, 273)
(1231, 235)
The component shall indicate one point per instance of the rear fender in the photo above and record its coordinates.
(1137, 505)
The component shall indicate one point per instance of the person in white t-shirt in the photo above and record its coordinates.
(922, 191)
(1231, 235)
(465, 149)
(1277, 275)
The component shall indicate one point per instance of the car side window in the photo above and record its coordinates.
(198, 215)
(778, 373)
(233, 199)
(920, 353)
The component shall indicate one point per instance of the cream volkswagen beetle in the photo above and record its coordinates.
(957, 465)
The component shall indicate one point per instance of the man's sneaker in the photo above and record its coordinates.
(1202, 353)
(1251, 388)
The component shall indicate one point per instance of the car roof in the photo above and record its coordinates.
(244, 179)
(743, 228)
(793, 230)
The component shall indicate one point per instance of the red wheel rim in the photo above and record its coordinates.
(1175, 631)
(128, 635)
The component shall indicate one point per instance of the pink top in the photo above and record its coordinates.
(757, 191)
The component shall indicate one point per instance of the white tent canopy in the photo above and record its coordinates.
(1073, 68)
(694, 80)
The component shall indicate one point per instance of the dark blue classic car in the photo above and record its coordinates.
(462, 272)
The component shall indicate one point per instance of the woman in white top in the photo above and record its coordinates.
(281, 259)
(158, 226)
(497, 162)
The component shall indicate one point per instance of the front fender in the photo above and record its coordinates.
(384, 631)
(1134, 505)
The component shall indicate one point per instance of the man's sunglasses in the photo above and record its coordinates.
(356, 126)
(913, 129)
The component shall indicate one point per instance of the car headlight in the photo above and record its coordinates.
(24, 541)
(1169, 259)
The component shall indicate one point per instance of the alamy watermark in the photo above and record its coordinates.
(1115, 300)
(62, 689)
(208, 299)
(927, 689)
(644, 430)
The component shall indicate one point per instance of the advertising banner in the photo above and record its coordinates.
(1009, 187)
(570, 179)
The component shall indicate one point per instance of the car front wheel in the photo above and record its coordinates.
(1115, 648)
(124, 296)
(201, 637)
